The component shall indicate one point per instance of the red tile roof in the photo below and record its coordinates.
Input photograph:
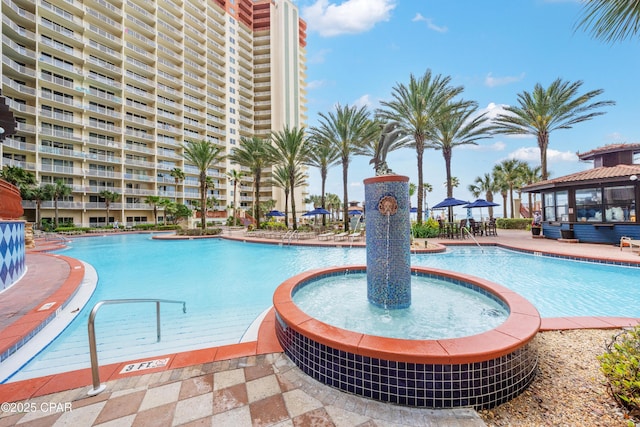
(611, 148)
(620, 173)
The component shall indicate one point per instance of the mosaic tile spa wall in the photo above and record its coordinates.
(12, 252)
(388, 241)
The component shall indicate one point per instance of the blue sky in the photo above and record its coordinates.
(358, 50)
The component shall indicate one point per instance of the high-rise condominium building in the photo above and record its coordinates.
(105, 92)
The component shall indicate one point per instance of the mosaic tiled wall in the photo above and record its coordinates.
(388, 241)
(12, 252)
(480, 385)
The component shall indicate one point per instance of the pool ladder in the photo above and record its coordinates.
(95, 372)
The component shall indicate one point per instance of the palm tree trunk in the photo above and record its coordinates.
(419, 153)
(235, 201)
(322, 198)
(512, 202)
(447, 166)
(203, 202)
(345, 207)
(55, 205)
(256, 202)
(543, 143)
(293, 201)
(504, 204)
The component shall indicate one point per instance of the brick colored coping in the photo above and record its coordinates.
(267, 343)
(27, 324)
(520, 327)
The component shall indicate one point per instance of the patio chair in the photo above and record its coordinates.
(490, 228)
(475, 227)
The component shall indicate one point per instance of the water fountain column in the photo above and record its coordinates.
(388, 240)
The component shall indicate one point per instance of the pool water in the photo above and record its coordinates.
(439, 309)
(228, 284)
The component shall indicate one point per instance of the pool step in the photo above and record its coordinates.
(135, 337)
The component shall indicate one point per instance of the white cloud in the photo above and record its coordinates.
(318, 57)
(496, 146)
(316, 84)
(501, 81)
(363, 101)
(430, 24)
(493, 109)
(349, 17)
(532, 155)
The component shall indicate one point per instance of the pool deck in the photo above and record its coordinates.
(250, 383)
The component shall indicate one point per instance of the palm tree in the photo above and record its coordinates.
(154, 201)
(484, 184)
(55, 192)
(333, 203)
(19, 177)
(322, 155)
(348, 130)
(456, 126)
(281, 179)
(109, 197)
(202, 154)
(292, 151)
(178, 176)
(168, 206)
(611, 20)
(415, 107)
(509, 173)
(38, 195)
(256, 154)
(235, 176)
(557, 107)
(531, 175)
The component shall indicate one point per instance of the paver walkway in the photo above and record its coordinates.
(255, 384)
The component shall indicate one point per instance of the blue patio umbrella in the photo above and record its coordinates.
(480, 203)
(414, 210)
(317, 211)
(274, 213)
(449, 202)
(355, 212)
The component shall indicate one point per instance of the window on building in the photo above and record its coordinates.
(619, 203)
(556, 206)
(589, 204)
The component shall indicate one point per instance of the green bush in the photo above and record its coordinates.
(168, 227)
(621, 366)
(72, 228)
(426, 230)
(144, 226)
(234, 222)
(514, 223)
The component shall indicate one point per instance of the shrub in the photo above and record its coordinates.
(621, 366)
(514, 223)
(427, 229)
(144, 226)
(234, 222)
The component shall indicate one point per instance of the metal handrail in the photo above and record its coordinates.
(95, 373)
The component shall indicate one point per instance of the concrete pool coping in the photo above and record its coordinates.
(267, 342)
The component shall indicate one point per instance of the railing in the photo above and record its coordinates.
(95, 373)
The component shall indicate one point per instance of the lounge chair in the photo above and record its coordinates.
(629, 242)
(325, 236)
(355, 236)
(340, 236)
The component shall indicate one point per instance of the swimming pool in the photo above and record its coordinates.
(228, 284)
